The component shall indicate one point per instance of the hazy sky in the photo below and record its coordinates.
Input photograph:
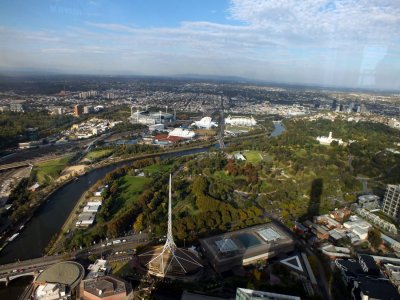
(344, 42)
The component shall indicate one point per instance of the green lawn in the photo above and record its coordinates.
(254, 157)
(50, 170)
(157, 168)
(132, 188)
(96, 154)
(228, 179)
(185, 205)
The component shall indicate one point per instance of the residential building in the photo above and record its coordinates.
(78, 110)
(32, 134)
(88, 110)
(16, 107)
(391, 202)
(58, 110)
(368, 202)
(340, 215)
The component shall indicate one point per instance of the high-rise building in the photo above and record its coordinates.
(88, 109)
(334, 104)
(32, 134)
(78, 110)
(16, 107)
(363, 109)
(391, 202)
(59, 110)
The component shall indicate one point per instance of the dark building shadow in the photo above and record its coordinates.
(314, 205)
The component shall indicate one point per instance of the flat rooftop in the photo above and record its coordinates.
(245, 246)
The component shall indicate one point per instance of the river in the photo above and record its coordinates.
(49, 218)
(278, 130)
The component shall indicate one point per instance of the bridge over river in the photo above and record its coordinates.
(32, 267)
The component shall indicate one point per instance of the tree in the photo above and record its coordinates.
(374, 237)
(138, 225)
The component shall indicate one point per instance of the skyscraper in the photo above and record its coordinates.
(391, 202)
(78, 110)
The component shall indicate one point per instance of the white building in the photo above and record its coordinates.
(205, 122)
(92, 207)
(239, 156)
(98, 269)
(150, 118)
(394, 123)
(51, 291)
(391, 201)
(158, 127)
(85, 219)
(369, 202)
(183, 133)
(327, 140)
(357, 228)
(240, 121)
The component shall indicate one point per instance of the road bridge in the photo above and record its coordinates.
(26, 163)
(15, 165)
(34, 266)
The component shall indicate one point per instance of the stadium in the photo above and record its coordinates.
(240, 121)
(150, 118)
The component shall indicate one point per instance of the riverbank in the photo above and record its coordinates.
(46, 193)
(49, 218)
(68, 226)
(54, 246)
(72, 173)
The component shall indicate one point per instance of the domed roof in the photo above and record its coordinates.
(69, 273)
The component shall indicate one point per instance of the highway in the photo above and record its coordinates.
(123, 245)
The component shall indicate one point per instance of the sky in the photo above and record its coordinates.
(348, 43)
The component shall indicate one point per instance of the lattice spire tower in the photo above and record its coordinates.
(170, 258)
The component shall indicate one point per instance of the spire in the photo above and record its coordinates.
(170, 238)
(170, 254)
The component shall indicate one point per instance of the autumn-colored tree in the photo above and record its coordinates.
(374, 237)
(138, 225)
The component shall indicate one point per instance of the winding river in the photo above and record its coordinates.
(50, 217)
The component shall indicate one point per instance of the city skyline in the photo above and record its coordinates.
(329, 43)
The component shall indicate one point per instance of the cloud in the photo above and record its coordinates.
(304, 41)
(112, 27)
(317, 20)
